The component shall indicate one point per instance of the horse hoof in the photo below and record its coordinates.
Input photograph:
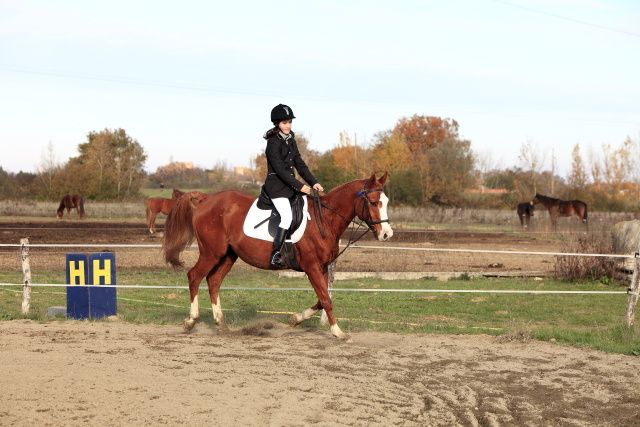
(295, 319)
(337, 332)
(188, 324)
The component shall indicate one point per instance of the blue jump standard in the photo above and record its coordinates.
(86, 299)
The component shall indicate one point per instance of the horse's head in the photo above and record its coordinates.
(535, 200)
(371, 207)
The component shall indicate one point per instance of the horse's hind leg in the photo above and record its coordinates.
(195, 276)
(298, 318)
(214, 281)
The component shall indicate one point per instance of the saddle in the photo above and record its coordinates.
(297, 212)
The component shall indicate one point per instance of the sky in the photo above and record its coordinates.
(195, 81)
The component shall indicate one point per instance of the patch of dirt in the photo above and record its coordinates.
(75, 372)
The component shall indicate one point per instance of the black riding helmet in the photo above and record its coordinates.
(281, 113)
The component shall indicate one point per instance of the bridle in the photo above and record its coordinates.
(362, 194)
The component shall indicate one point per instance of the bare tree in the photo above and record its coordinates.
(484, 163)
(47, 169)
(531, 160)
(578, 176)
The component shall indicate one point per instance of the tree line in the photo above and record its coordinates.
(428, 161)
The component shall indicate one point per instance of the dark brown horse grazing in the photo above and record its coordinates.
(525, 212)
(156, 205)
(558, 208)
(69, 202)
(216, 222)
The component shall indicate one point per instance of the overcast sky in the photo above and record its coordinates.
(195, 80)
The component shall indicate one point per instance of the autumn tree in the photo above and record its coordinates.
(424, 132)
(451, 166)
(353, 160)
(110, 165)
(425, 137)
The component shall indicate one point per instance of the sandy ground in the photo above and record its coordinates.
(113, 373)
(352, 260)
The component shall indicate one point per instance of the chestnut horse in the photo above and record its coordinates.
(69, 202)
(216, 223)
(558, 208)
(525, 212)
(156, 205)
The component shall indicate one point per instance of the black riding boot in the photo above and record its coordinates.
(276, 255)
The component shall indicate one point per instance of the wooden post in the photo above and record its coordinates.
(26, 275)
(324, 320)
(633, 291)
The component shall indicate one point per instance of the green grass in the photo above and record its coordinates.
(593, 321)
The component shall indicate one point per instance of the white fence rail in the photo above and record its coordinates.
(633, 291)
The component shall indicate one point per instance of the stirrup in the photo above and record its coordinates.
(276, 259)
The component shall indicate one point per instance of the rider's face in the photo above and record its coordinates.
(285, 126)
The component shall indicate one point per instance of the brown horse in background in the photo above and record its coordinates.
(69, 202)
(558, 208)
(156, 205)
(525, 212)
(216, 222)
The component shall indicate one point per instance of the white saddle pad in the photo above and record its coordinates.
(256, 215)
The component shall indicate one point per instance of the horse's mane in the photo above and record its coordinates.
(547, 198)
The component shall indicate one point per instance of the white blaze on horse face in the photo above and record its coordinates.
(386, 232)
(217, 311)
(195, 309)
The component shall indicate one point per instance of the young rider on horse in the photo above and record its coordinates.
(281, 184)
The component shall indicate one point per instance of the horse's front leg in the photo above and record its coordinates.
(318, 279)
(151, 222)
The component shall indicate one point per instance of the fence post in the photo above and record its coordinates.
(633, 291)
(324, 320)
(26, 275)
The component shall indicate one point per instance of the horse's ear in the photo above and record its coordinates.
(383, 178)
(372, 181)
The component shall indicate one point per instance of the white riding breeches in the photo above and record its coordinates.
(284, 209)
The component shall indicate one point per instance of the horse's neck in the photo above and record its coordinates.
(341, 210)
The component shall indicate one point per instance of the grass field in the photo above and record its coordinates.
(593, 321)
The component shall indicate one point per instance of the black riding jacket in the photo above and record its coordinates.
(282, 157)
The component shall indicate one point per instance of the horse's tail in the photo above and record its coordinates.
(178, 230)
(81, 206)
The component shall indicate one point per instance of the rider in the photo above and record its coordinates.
(281, 184)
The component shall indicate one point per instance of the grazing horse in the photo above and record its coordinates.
(525, 212)
(156, 205)
(216, 221)
(558, 208)
(69, 202)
